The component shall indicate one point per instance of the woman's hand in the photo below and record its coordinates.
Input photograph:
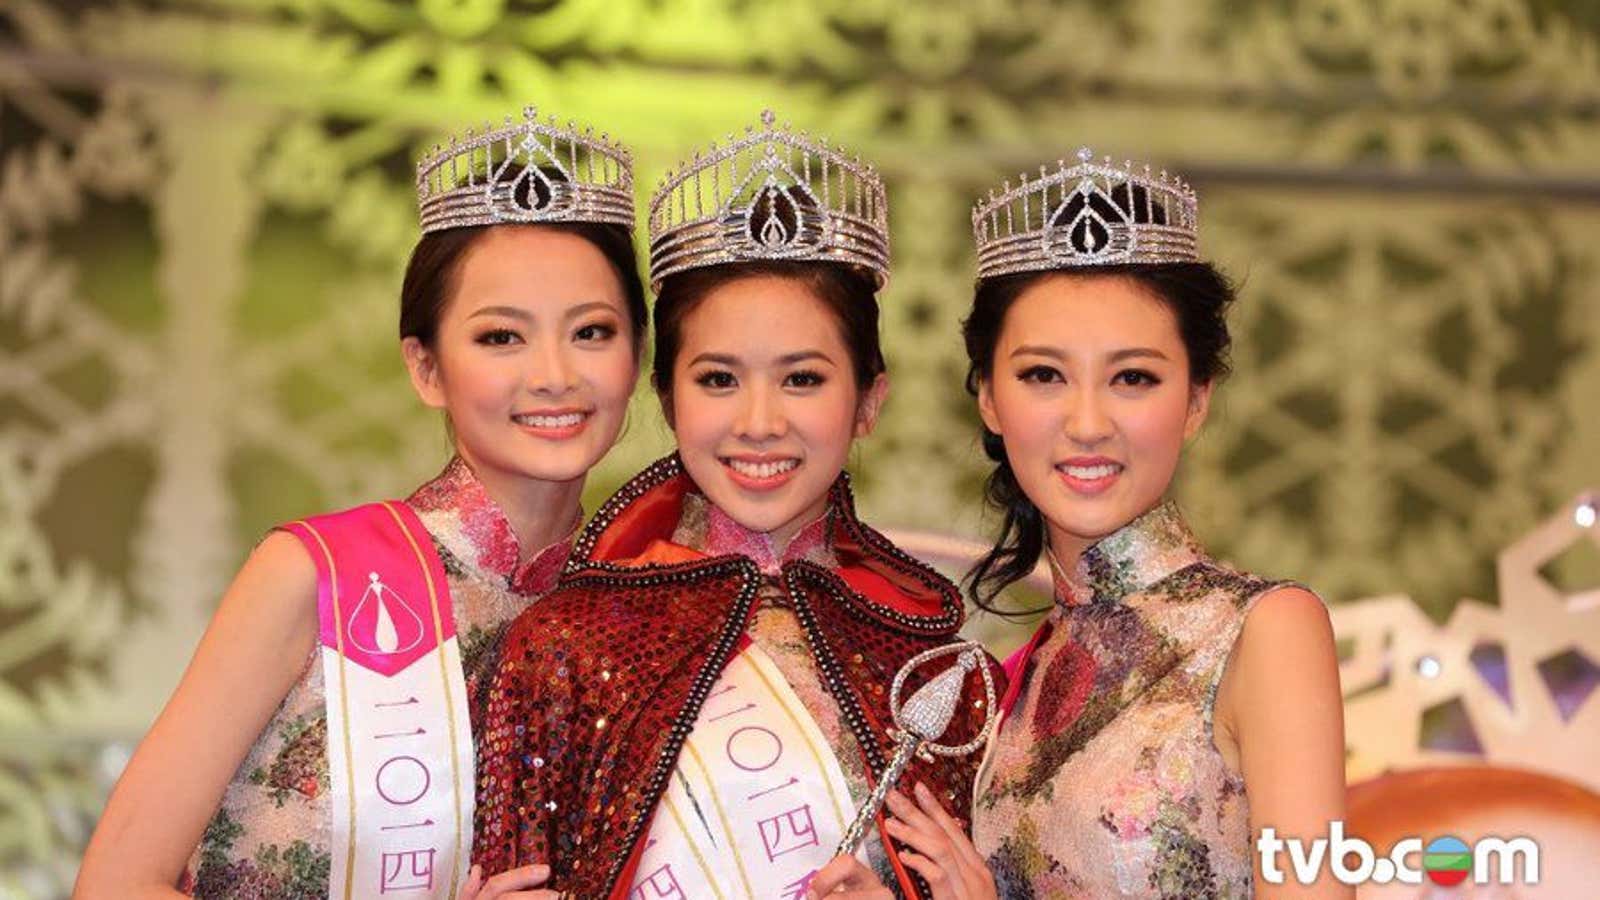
(510, 885)
(940, 853)
(845, 878)
(943, 856)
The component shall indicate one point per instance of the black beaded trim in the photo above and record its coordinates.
(833, 675)
(954, 611)
(727, 641)
(827, 663)
(685, 569)
(656, 474)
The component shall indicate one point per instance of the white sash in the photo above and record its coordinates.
(758, 801)
(400, 757)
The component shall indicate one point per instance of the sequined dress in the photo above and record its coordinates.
(1103, 779)
(270, 835)
(600, 683)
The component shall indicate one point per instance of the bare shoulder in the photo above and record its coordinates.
(1287, 636)
(281, 555)
(1286, 621)
(275, 590)
(1284, 657)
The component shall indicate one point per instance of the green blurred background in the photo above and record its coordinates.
(205, 206)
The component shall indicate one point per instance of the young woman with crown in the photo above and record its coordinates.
(321, 743)
(700, 707)
(1169, 707)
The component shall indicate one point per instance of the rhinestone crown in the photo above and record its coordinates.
(1088, 214)
(527, 171)
(769, 195)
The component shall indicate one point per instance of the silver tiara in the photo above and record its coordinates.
(527, 171)
(772, 194)
(1090, 214)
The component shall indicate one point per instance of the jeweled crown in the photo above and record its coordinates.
(526, 171)
(772, 194)
(1088, 214)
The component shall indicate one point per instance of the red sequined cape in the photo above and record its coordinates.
(600, 682)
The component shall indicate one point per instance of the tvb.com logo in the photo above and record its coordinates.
(1444, 861)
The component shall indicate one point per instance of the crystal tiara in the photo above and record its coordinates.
(773, 194)
(1089, 214)
(527, 171)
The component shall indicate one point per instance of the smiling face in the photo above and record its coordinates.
(533, 358)
(765, 404)
(1090, 390)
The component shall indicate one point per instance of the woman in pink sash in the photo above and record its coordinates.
(321, 742)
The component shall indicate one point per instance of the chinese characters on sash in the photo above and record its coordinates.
(399, 739)
(758, 800)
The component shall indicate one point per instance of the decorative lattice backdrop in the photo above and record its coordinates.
(205, 204)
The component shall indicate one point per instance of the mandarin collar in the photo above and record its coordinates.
(705, 527)
(469, 524)
(1130, 559)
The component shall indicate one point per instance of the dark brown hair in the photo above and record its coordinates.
(1198, 296)
(435, 267)
(847, 292)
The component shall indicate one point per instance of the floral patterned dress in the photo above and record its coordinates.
(1103, 779)
(270, 836)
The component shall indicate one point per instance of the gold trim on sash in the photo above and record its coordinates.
(845, 814)
(444, 677)
(792, 805)
(344, 700)
(727, 826)
(700, 860)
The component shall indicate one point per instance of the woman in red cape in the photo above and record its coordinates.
(702, 704)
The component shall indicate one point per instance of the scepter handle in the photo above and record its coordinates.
(853, 835)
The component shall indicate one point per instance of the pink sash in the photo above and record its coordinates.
(1016, 664)
(399, 737)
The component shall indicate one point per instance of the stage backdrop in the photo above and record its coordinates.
(205, 206)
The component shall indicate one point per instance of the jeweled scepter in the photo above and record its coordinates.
(922, 720)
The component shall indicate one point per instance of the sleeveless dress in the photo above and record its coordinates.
(1103, 779)
(270, 835)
